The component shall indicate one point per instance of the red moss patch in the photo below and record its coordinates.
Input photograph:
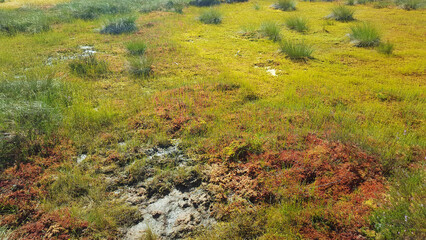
(331, 180)
(22, 189)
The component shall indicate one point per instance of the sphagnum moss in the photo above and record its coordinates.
(345, 94)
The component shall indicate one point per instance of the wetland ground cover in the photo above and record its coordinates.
(292, 120)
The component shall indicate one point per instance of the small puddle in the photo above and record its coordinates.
(86, 51)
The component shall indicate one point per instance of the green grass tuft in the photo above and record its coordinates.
(256, 6)
(385, 48)
(365, 35)
(286, 5)
(297, 23)
(211, 16)
(271, 30)
(136, 47)
(120, 26)
(89, 67)
(342, 13)
(296, 50)
(141, 66)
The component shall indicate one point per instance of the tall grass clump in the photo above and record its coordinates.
(296, 50)
(365, 35)
(385, 48)
(342, 13)
(286, 5)
(136, 47)
(297, 23)
(120, 26)
(89, 67)
(23, 21)
(271, 30)
(211, 16)
(29, 110)
(141, 66)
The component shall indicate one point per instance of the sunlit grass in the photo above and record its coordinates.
(348, 94)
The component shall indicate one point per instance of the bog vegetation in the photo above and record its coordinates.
(309, 123)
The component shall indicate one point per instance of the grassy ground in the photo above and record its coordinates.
(350, 118)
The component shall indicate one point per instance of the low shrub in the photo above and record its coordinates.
(89, 67)
(296, 50)
(211, 16)
(141, 66)
(297, 23)
(342, 14)
(365, 35)
(136, 47)
(23, 21)
(385, 48)
(286, 5)
(270, 30)
(120, 26)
